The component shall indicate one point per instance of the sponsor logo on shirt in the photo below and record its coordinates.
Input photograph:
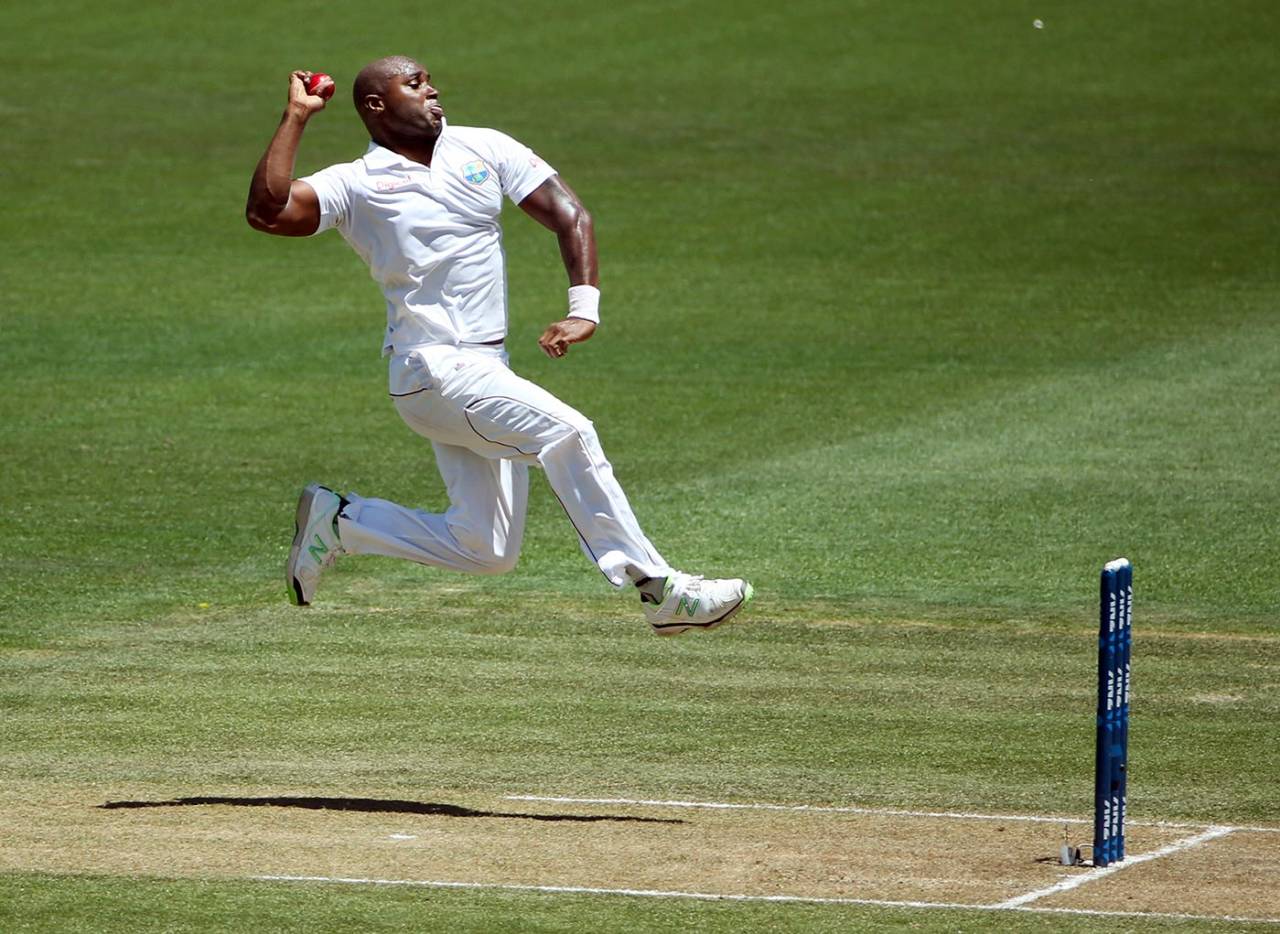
(392, 184)
(475, 172)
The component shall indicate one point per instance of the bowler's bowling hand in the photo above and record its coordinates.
(300, 99)
(556, 339)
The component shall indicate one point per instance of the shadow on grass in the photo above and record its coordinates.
(383, 806)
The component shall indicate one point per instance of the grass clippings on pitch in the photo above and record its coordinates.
(1235, 875)
(491, 840)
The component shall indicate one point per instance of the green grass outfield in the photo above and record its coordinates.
(915, 314)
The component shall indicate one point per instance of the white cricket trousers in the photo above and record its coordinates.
(487, 425)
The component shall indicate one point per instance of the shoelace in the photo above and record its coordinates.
(694, 584)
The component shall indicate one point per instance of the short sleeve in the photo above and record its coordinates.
(333, 190)
(519, 169)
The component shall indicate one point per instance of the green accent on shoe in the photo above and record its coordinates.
(690, 608)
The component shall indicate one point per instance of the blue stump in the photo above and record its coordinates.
(1115, 627)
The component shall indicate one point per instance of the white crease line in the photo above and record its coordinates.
(1076, 881)
(814, 808)
(884, 812)
(711, 897)
(1244, 828)
(642, 893)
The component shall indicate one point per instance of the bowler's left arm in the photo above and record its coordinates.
(554, 205)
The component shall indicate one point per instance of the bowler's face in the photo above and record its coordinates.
(412, 101)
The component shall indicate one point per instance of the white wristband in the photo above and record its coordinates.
(584, 302)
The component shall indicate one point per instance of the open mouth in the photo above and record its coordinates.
(434, 108)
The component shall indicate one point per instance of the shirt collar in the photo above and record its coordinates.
(379, 157)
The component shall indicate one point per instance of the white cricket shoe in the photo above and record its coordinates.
(690, 602)
(315, 542)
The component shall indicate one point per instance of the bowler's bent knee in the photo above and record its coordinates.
(486, 556)
(574, 440)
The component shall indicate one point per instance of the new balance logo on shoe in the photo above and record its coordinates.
(318, 550)
(687, 606)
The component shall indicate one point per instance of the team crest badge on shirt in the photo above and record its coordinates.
(475, 172)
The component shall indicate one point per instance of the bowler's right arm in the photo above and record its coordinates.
(278, 203)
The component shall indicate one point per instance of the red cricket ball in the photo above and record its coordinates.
(321, 85)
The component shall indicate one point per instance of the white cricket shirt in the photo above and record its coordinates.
(430, 235)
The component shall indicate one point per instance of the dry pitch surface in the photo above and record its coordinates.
(671, 849)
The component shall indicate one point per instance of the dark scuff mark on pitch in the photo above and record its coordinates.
(383, 806)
